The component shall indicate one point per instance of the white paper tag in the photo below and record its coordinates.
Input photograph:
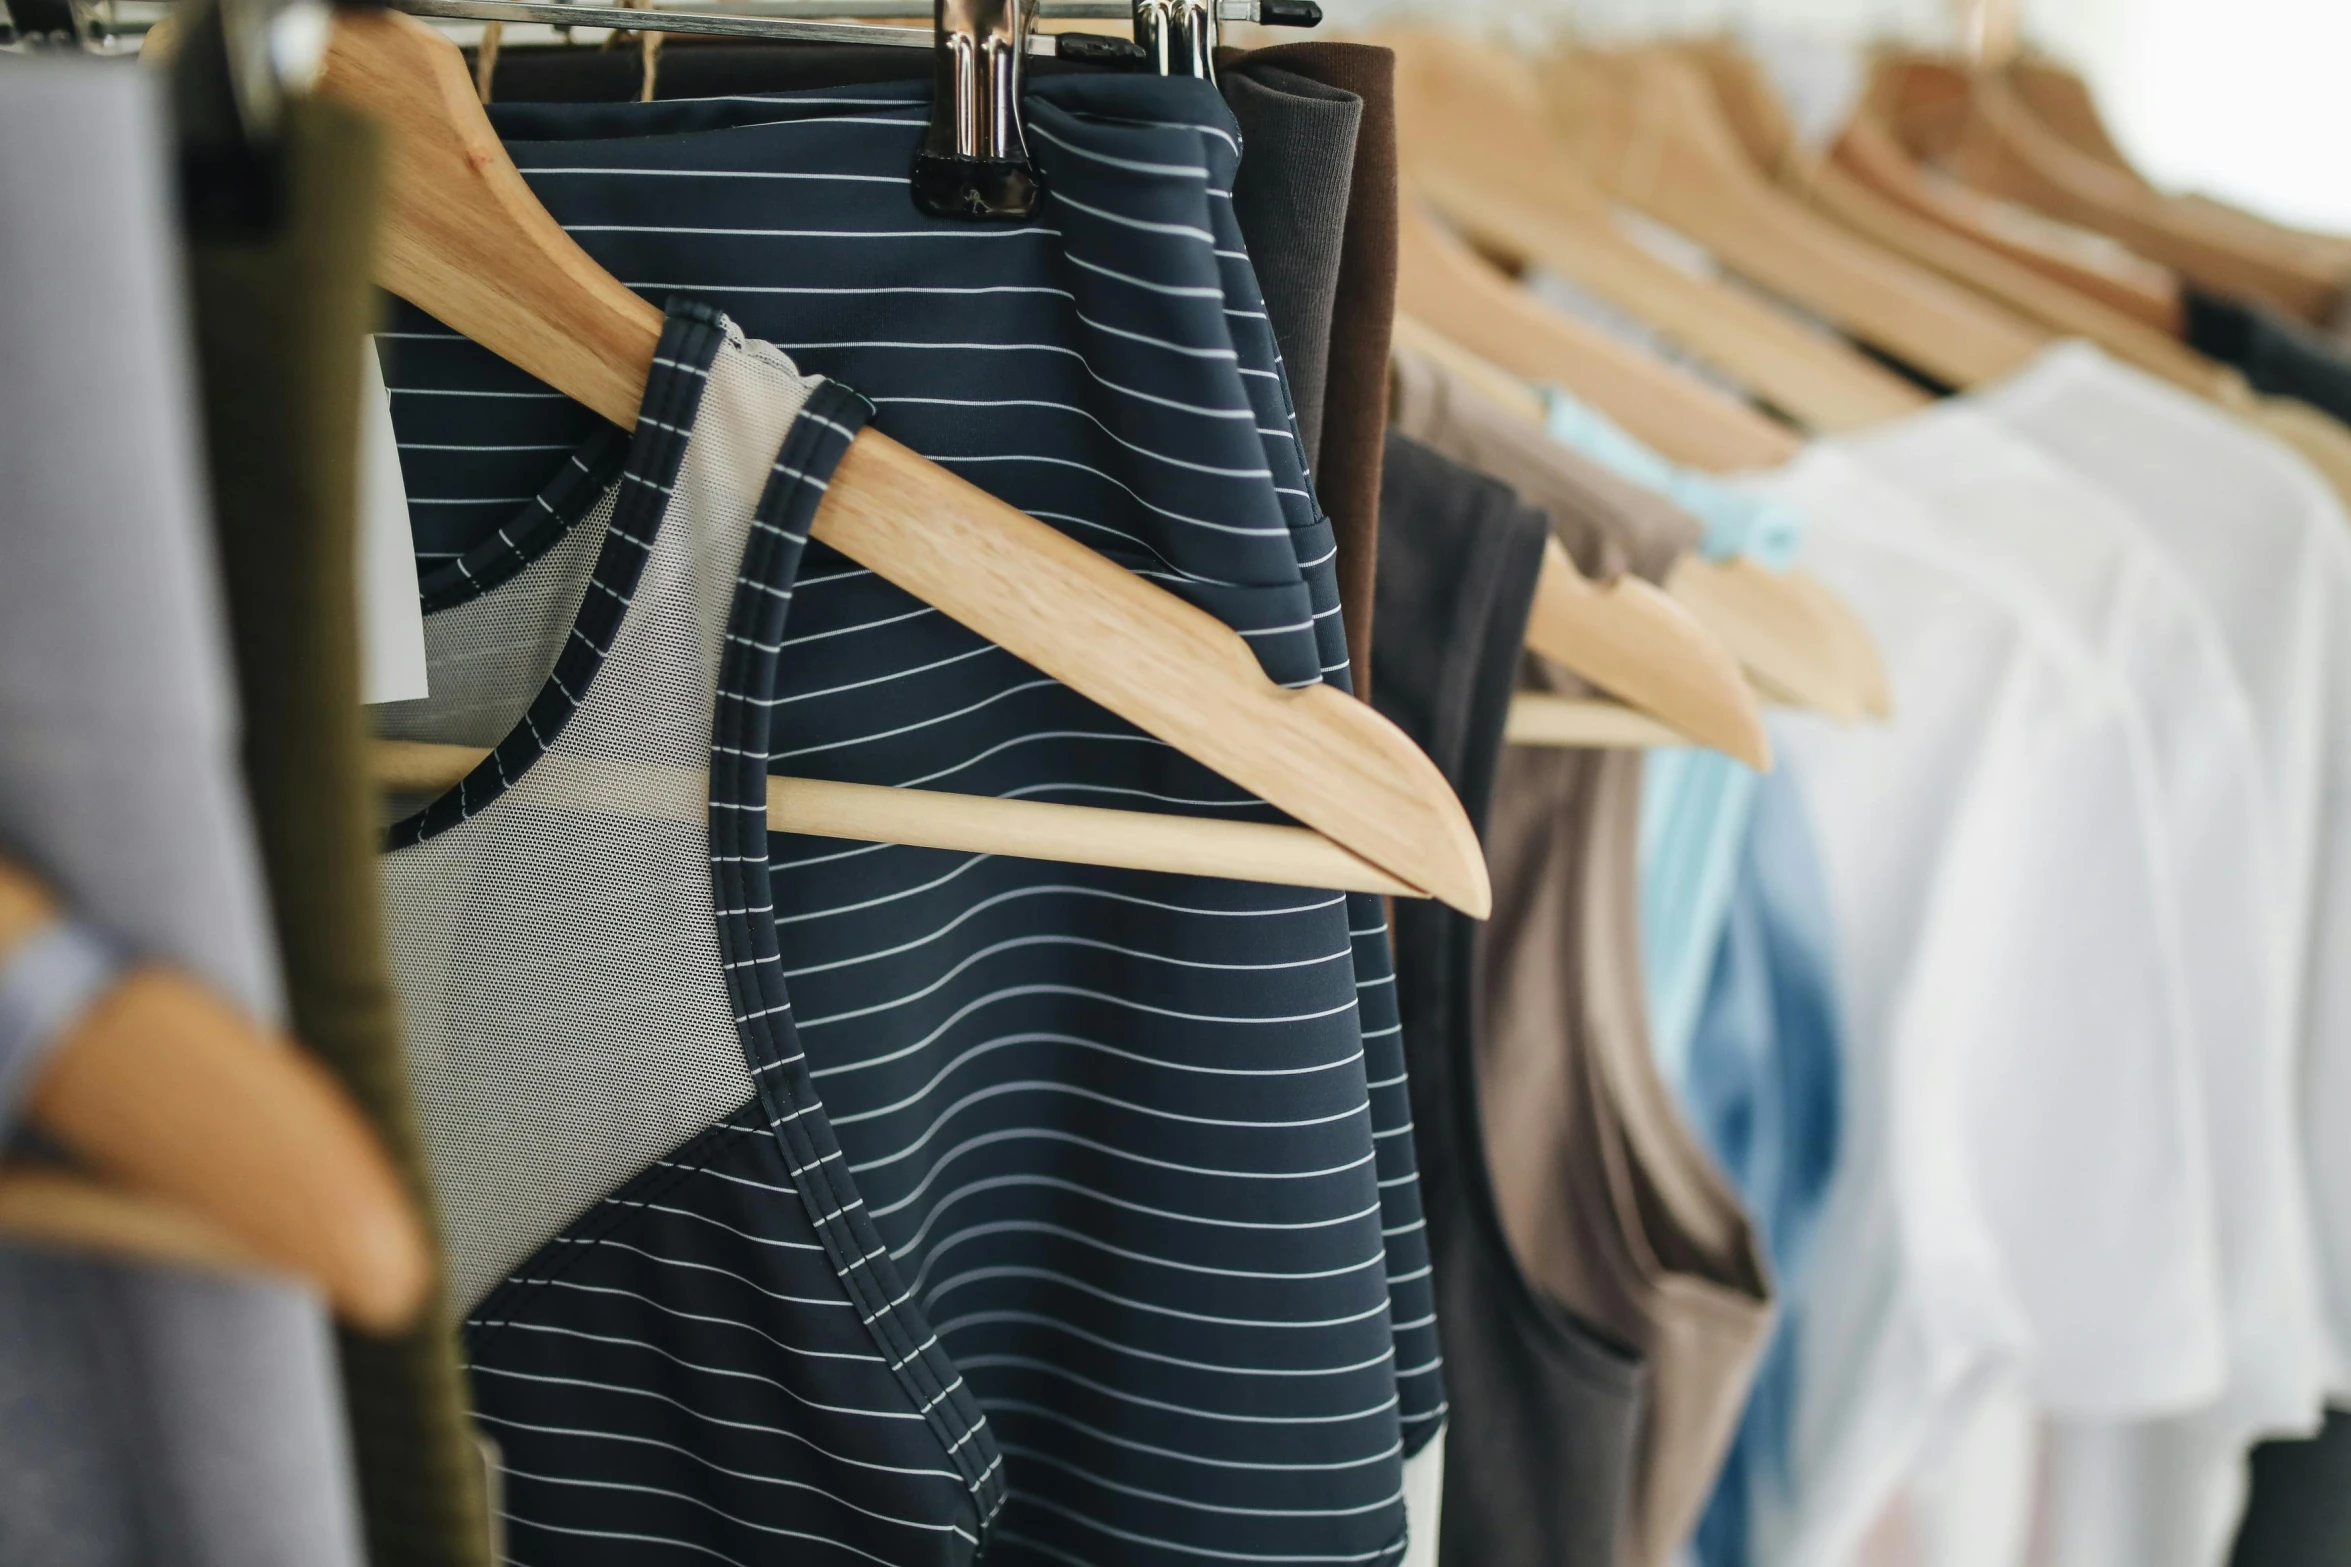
(391, 615)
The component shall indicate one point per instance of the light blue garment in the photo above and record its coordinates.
(1768, 532)
(1694, 803)
(1764, 1091)
(1695, 806)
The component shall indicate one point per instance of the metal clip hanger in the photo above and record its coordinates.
(974, 161)
(772, 23)
(1180, 37)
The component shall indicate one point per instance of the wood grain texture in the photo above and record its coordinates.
(463, 237)
(1635, 643)
(1479, 147)
(1647, 125)
(975, 824)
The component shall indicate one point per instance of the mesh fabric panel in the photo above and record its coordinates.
(567, 1016)
(485, 660)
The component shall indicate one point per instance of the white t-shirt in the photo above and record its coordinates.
(2266, 545)
(2164, 1493)
(2019, 1192)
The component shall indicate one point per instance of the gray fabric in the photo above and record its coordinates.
(1297, 156)
(146, 1415)
(47, 981)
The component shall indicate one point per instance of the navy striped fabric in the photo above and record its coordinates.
(1138, 1145)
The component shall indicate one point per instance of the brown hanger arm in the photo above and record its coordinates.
(221, 1146)
(1453, 292)
(1647, 124)
(2118, 279)
(468, 243)
(1974, 121)
(979, 824)
(1948, 241)
(1478, 146)
(1864, 161)
(1608, 634)
(1778, 633)
(2062, 101)
(1778, 626)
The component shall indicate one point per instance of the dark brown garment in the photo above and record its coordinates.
(1611, 1205)
(1608, 523)
(1297, 159)
(281, 321)
(1363, 320)
(1543, 1410)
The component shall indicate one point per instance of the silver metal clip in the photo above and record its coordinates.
(974, 161)
(1178, 37)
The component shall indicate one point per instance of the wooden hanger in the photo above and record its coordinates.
(1628, 638)
(2081, 261)
(465, 240)
(1451, 291)
(1949, 241)
(1793, 635)
(1616, 637)
(979, 824)
(1973, 122)
(2062, 101)
(2099, 269)
(1867, 154)
(1577, 723)
(220, 1146)
(1647, 125)
(1476, 144)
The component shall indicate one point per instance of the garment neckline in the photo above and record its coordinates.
(644, 464)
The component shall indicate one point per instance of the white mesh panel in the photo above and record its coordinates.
(486, 658)
(567, 1015)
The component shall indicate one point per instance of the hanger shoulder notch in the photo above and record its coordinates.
(1632, 641)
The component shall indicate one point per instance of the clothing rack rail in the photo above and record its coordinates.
(833, 21)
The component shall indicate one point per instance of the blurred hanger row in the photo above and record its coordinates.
(1965, 213)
